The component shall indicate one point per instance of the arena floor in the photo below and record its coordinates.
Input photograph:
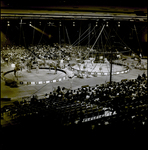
(99, 67)
(42, 75)
(74, 83)
(25, 91)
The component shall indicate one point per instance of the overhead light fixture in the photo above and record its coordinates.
(8, 23)
(49, 23)
(118, 24)
(132, 20)
(21, 22)
(30, 23)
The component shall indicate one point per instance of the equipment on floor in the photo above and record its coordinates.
(11, 83)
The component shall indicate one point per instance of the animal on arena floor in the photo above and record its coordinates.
(52, 65)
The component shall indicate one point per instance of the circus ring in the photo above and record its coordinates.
(43, 76)
(100, 69)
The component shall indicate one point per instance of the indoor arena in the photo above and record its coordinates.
(73, 72)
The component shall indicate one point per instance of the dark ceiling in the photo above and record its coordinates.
(23, 4)
(52, 11)
(75, 9)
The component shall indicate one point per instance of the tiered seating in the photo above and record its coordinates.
(123, 104)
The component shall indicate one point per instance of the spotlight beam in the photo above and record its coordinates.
(40, 31)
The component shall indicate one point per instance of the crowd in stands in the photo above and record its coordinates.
(125, 102)
(43, 52)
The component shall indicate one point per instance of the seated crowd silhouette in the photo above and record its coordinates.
(13, 53)
(44, 52)
(121, 104)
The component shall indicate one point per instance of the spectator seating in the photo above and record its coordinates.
(118, 104)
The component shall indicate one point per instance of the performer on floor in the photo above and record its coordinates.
(49, 67)
(61, 63)
(133, 55)
(15, 71)
(92, 62)
(55, 67)
(21, 66)
(139, 61)
(37, 68)
(17, 67)
(29, 66)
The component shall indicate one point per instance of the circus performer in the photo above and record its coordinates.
(44, 62)
(133, 55)
(92, 62)
(37, 68)
(61, 63)
(85, 66)
(49, 65)
(17, 67)
(21, 66)
(106, 61)
(79, 66)
(29, 66)
(6, 60)
(55, 67)
(140, 55)
(15, 71)
(87, 74)
(139, 61)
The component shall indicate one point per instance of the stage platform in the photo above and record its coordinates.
(42, 76)
(100, 68)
